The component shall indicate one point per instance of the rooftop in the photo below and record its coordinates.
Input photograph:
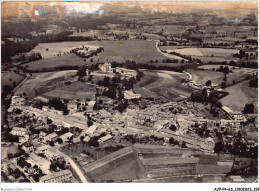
(55, 175)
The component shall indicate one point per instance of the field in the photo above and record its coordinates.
(138, 50)
(204, 54)
(56, 48)
(236, 74)
(162, 84)
(8, 78)
(239, 95)
(76, 90)
(119, 50)
(118, 166)
(50, 63)
(88, 33)
(162, 161)
(202, 77)
(42, 82)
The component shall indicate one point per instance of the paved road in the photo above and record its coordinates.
(168, 55)
(75, 167)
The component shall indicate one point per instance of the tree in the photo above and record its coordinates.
(82, 138)
(59, 140)
(197, 97)
(49, 121)
(208, 83)
(81, 71)
(253, 82)
(204, 92)
(249, 108)
(51, 143)
(16, 173)
(6, 90)
(218, 147)
(173, 127)
(226, 70)
(171, 140)
(223, 85)
(90, 123)
(106, 81)
(232, 63)
(93, 142)
(111, 93)
(183, 145)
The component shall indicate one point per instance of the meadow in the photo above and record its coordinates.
(118, 50)
(170, 86)
(239, 95)
(236, 73)
(202, 77)
(10, 78)
(40, 83)
(49, 64)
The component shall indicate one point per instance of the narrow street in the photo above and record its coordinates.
(75, 167)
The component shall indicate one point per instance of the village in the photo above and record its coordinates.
(42, 138)
(134, 101)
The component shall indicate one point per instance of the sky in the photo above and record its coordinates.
(23, 8)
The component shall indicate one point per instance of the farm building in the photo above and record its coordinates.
(42, 163)
(128, 73)
(72, 107)
(91, 129)
(28, 147)
(67, 136)
(17, 100)
(86, 139)
(43, 149)
(52, 156)
(106, 67)
(41, 98)
(57, 177)
(50, 137)
(238, 116)
(129, 95)
(91, 105)
(105, 138)
(19, 131)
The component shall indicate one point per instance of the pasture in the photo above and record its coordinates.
(58, 61)
(160, 161)
(202, 77)
(10, 78)
(165, 85)
(239, 95)
(118, 50)
(56, 48)
(205, 52)
(40, 83)
(138, 50)
(236, 73)
(76, 90)
(124, 168)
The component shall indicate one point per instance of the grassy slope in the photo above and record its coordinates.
(239, 95)
(153, 85)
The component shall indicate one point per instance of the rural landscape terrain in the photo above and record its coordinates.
(119, 92)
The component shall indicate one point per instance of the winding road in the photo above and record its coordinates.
(75, 167)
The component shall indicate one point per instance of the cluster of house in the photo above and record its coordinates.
(86, 50)
(106, 70)
(81, 106)
(40, 156)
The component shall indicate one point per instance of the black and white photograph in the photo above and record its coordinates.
(134, 92)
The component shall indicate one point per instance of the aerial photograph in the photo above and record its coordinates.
(129, 92)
